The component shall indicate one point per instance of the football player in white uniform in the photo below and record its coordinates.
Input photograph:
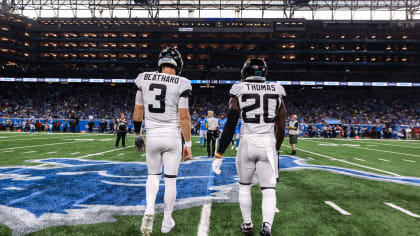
(262, 111)
(162, 98)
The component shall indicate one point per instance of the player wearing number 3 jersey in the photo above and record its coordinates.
(262, 111)
(163, 99)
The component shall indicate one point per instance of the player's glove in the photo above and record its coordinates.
(139, 142)
(217, 163)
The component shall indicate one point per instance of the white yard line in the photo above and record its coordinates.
(74, 153)
(337, 208)
(347, 162)
(32, 138)
(203, 227)
(407, 212)
(359, 159)
(409, 160)
(384, 160)
(51, 152)
(30, 152)
(121, 154)
(8, 151)
(41, 145)
(101, 153)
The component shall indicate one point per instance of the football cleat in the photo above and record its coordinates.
(265, 229)
(167, 226)
(217, 163)
(247, 228)
(147, 225)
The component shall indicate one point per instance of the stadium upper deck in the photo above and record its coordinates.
(295, 49)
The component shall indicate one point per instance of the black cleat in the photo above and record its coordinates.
(265, 229)
(247, 228)
(293, 152)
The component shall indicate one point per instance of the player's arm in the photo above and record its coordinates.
(185, 122)
(228, 132)
(280, 125)
(230, 126)
(138, 119)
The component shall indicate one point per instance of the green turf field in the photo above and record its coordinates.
(301, 194)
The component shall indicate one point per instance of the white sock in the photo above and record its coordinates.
(152, 188)
(269, 205)
(170, 197)
(245, 202)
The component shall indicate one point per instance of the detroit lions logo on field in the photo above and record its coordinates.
(75, 191)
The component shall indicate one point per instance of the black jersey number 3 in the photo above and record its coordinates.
(268, 118)
(159, 97)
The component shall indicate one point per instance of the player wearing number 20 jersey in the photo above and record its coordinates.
(162, 98)
(260, 107)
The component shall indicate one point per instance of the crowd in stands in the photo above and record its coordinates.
(26, 100)
(383, 110)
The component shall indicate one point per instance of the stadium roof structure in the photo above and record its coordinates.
(308, 9)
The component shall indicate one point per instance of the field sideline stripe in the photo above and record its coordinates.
(364, 139)
(407, 212)
(41, 145)
(203, 227)
(378, 150)
(381, 143)
(386, 144)
(347, 162)
(337, 208)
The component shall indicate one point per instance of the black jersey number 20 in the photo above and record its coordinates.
(159, 97)
(268, 118)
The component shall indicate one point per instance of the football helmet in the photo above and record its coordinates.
(254, 69)
(171, 56)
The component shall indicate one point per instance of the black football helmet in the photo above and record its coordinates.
(254, 69)
(170, 56)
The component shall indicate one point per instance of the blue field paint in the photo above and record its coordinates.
(68, 193)
(59, 189)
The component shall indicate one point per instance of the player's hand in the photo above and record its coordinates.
(186, 155)
(278, 145)
(217, 163)
(139, 143)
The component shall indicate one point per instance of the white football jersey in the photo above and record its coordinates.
(259, 103)
(161, 94)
